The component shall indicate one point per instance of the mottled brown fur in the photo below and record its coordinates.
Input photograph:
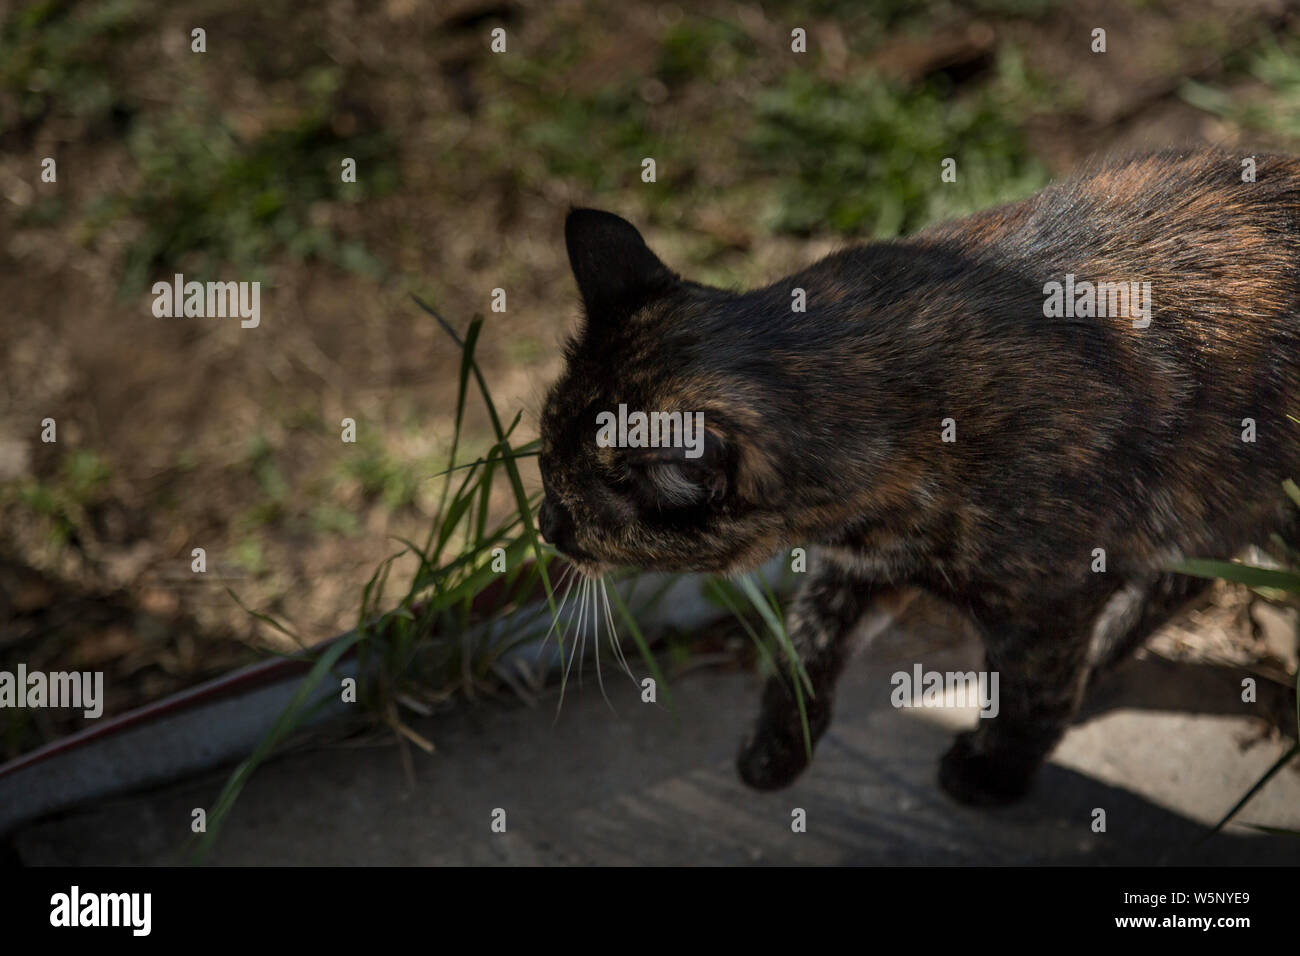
(1072, 433)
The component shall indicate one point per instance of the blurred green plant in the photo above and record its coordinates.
(64, 501)
(864, 156)
(55, 55)
(1014, 8)
(274, 488)
(329, 518)
(871, 18)
(249, 554)
(857, 155)
(597, 139)
(1275, 109)
(203, 191)
(383, 476)
(700, 48)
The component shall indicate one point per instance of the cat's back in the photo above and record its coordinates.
(1186, 404)
(1196, 211)
(1208, 247)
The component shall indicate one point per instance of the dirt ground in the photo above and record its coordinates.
(175, 434)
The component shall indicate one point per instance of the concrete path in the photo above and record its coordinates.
(1164, 750)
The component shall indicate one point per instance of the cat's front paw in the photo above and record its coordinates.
(984, 779)
(770, 761)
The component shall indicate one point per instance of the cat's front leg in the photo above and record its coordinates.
(1041, 667)
(820, 622)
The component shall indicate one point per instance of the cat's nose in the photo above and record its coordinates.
(547, 522)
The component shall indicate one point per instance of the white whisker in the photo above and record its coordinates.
(581, 638)
(595, 616)
(582, 591)
(563, 635)
(613, 630)
(613, 633)
(568, 574)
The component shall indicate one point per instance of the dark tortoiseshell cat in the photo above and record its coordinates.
(827, 429)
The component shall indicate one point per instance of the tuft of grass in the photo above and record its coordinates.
(436, 640)
(401, 665)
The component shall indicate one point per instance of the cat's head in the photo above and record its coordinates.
(655, 345)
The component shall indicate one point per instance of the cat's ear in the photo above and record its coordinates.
(616, 271)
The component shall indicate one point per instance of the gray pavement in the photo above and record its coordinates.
(1164, 749)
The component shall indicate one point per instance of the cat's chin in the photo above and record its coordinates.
(589, 568)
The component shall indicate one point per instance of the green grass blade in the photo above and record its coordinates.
(1281, 762)
(512, 469)
(1274, 831)
(799, 676)
(267, 620)
(718, 588)
(1288, 581)
(284, 725)
(643, 648)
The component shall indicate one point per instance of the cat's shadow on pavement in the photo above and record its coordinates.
(1054, 825)
(1195, 687)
